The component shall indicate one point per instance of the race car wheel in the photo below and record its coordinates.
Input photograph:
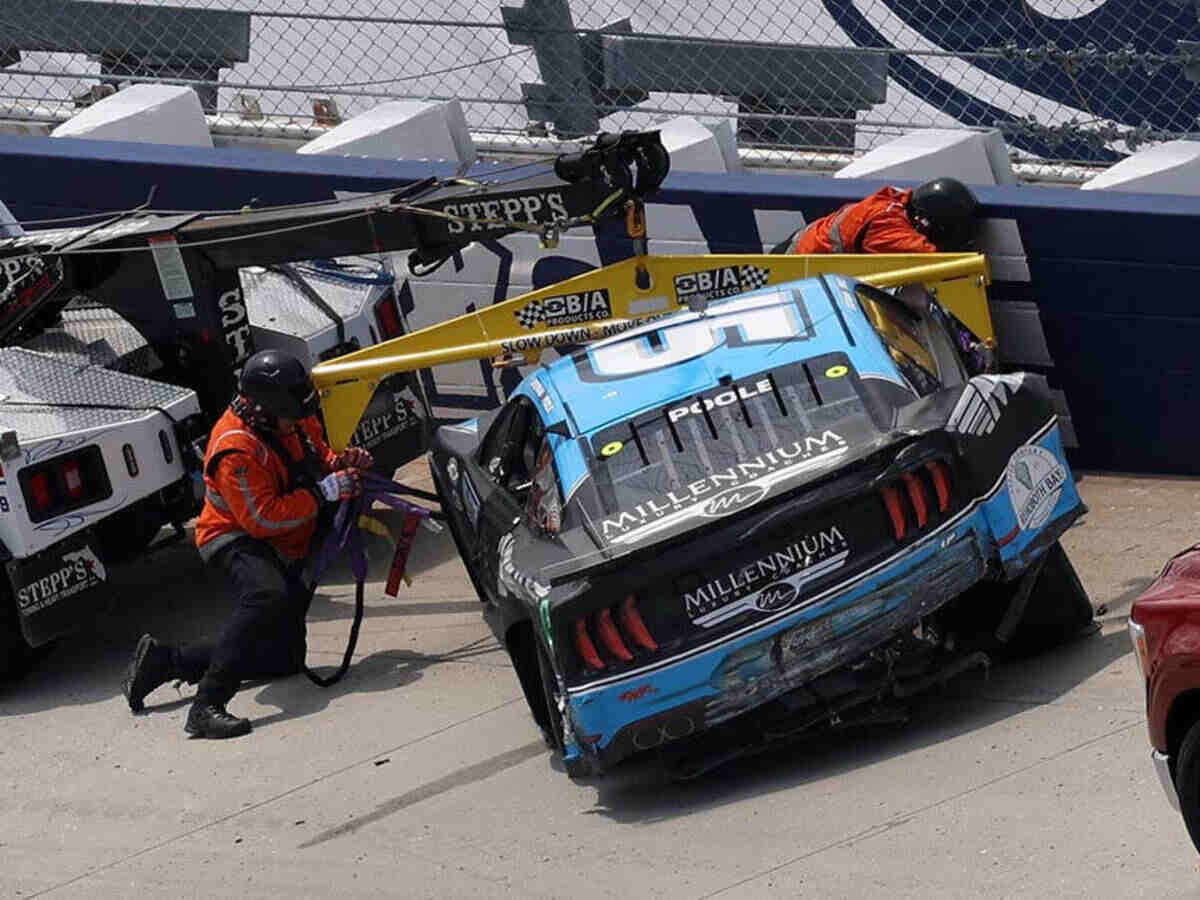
(1187, 782)
(1054, 609)
(1057, 610)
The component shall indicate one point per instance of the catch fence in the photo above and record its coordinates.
(1066, 81)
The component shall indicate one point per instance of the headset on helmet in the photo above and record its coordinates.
(944, 211)
(280, 384)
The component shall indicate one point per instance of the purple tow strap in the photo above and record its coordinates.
(346, 535)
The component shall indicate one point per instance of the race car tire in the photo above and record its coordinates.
(1187, 782)
(1058, 608)
(993, 616)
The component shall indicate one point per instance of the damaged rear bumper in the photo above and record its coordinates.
(687, 697)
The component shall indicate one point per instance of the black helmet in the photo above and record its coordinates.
(279, 383)
(944, 211)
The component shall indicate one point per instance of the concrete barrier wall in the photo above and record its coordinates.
(1105, 291)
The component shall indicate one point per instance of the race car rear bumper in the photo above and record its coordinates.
(688, 697)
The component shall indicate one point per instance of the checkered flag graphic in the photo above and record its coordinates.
(530, 314)
(753, 277)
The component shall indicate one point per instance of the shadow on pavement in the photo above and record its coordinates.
(1117, 609)
(467, 775)
(174, 596)
(641, 792)
(383, 671)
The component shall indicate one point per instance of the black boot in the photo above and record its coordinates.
(211, 720)
(152, 665)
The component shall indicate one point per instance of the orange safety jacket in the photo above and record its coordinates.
(875, 224)
(248, 489)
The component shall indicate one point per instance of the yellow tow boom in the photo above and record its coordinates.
(630, 291)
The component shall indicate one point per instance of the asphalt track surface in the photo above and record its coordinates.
(422, 774)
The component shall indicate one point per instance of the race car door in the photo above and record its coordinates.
(507, 460)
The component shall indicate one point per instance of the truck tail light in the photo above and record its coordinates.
(617, 629)
(165, 442)
(39, 490)
(72, 479)
(64, 483)
(387, 314)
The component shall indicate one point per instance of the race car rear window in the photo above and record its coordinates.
(760, 427)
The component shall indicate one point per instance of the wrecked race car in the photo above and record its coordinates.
(773, 513)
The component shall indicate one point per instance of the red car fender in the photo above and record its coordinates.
(1169, 611)
(1174, 669)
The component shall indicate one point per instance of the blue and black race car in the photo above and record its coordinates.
(776, 513)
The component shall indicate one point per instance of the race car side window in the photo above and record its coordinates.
(506, 453)
(491, 448)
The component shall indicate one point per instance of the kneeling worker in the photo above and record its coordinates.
(937, 216)
(271, 481)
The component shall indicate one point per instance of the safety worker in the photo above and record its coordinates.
(939, 215)
(270, 481)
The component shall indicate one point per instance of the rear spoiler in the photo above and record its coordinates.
(622, 296)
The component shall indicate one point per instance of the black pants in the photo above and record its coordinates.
(264, 637)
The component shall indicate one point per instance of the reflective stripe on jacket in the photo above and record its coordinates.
(875, 224)
(249, 492)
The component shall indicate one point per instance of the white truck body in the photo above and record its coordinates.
(92, 462)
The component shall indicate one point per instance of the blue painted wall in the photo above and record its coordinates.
(1113, 274)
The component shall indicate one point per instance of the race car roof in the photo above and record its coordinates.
(686, 353)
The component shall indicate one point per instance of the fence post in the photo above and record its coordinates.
(142, 41)
(564, 95)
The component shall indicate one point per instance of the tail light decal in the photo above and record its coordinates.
(916, 496)
(940, 473)
(891, 499)
(620, 631)
(610, 637)
(910, 500)
(631, 621)
(585, 647)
